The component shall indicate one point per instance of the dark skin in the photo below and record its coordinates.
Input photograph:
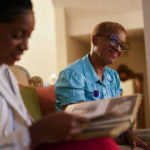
(129, 138)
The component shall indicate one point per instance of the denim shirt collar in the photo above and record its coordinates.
(91, 74)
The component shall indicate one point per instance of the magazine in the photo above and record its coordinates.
(108, 117)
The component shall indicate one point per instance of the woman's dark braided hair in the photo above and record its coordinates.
(10, 8)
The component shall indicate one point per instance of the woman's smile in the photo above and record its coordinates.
(114, 53)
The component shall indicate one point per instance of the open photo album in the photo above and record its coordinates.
(108, 117)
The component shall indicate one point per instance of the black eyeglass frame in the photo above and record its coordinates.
(123, 46)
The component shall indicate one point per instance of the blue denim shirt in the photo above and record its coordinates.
(79, 82)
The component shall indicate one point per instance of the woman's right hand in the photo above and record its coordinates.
(55, 127)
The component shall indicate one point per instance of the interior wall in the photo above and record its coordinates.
(61, 39)
(76, 49)
(83, 26)
(40, 59)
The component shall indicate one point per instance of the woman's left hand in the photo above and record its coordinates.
(134, 141)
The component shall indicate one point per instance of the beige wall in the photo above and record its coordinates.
(41, 57)
(76, 49)
(83, 26)
(61, 39)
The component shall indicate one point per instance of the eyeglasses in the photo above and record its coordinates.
(114, 41)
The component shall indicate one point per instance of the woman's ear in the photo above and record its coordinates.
(94, 40)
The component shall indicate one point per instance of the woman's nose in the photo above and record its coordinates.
(24, 44)
(119, 49)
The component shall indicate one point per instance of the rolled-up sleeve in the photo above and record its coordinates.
(69, 88)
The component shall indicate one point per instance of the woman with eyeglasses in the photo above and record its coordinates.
(90, 78)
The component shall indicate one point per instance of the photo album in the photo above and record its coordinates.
(108, 117)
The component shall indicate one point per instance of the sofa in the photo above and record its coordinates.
(40, 100)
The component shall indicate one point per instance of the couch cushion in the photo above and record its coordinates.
(31, 101)
(46, 98)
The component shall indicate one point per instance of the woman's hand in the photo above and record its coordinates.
(58, 126)
(128, 137)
